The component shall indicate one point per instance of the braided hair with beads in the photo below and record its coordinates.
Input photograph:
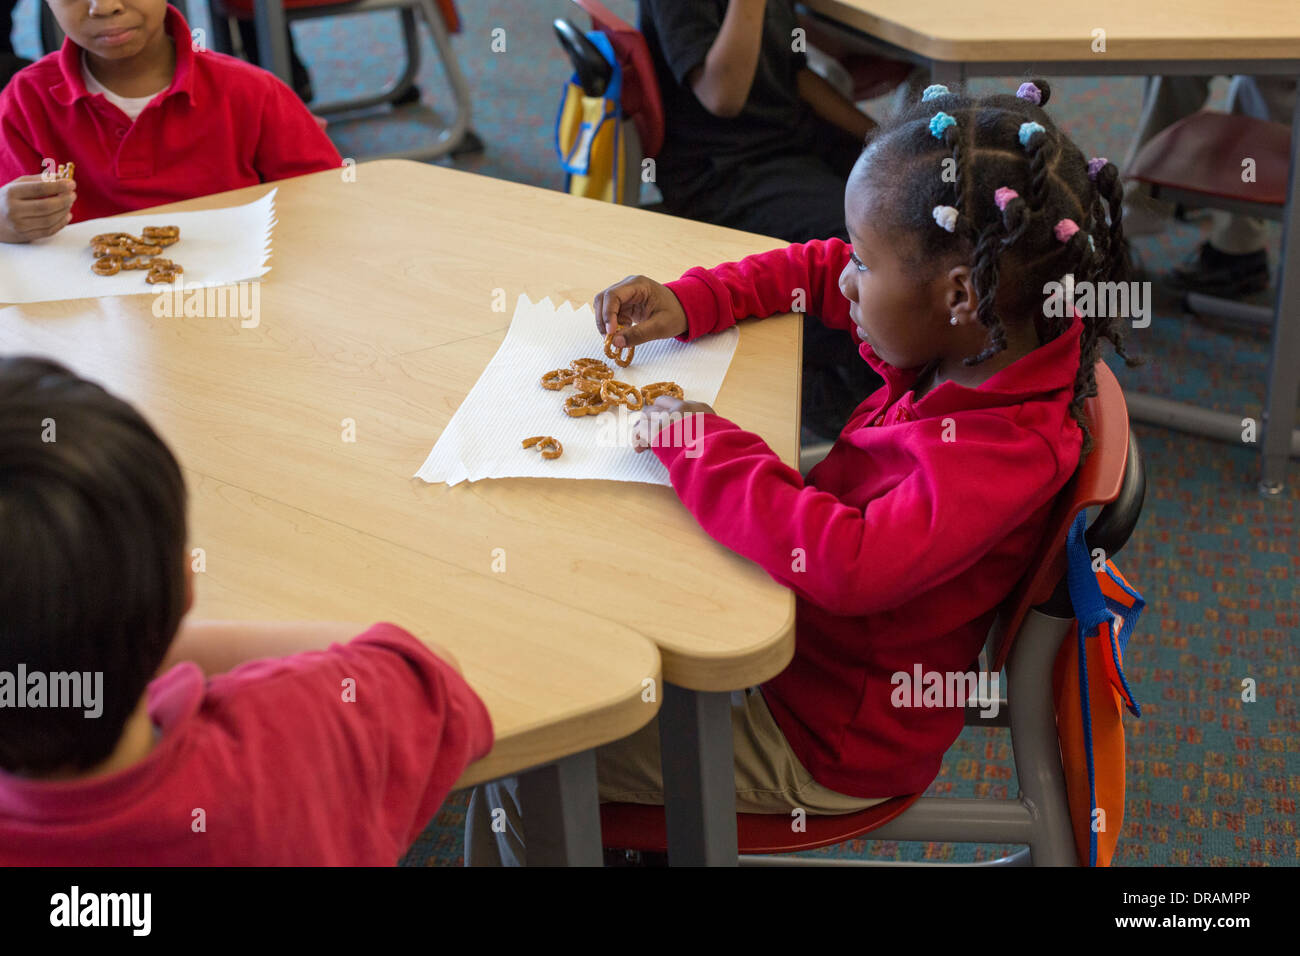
(1002, 181)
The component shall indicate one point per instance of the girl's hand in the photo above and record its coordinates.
(32, 208)
(647, 310)
(649, 424)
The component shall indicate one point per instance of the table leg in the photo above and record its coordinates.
(561, 813)
(1284, 366)
(272, 40)
(699, 777)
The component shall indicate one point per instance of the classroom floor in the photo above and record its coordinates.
(1211, 780)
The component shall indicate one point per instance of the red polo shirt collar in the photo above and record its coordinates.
(73, 86)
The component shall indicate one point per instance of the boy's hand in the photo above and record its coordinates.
(33, 208)
(649, 308)
(648, 424)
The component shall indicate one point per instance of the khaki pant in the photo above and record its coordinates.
(769, 779)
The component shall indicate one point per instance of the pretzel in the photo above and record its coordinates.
(588, 385)
(138, 262)
(557, 379)
(115, 250)
(548, 446)
(65, 171)
(621, 393)
(106, 266)
(139, 248)
(615, 353)
(591, 368)
(163, 270)
(160, 235)
(110, 238)
(589, 403)
(650, 392)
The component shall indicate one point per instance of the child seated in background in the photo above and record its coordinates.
(145, 119)
(901, 543)
(756, 140)
(267, 759)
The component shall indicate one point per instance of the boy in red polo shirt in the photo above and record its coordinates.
(129, 736)
(145, 118)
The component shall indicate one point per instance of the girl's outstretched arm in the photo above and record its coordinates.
(803, 277)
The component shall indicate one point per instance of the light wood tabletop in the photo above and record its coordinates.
(387, 321)
(975, 31)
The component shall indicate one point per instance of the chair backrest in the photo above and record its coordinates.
(1097, 482)
(641, 100)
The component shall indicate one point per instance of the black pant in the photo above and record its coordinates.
(796, 195)
(7, 26)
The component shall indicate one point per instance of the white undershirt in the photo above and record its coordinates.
(132, 106)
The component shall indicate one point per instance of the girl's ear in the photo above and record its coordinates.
(959, 294)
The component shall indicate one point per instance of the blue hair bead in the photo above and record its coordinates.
(1027, 130)
(930, 92)
(940, 122)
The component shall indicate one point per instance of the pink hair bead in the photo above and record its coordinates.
(1065, 229)
(1004, 195)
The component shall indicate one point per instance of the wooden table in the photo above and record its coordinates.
(1171, 37)
(388, 321)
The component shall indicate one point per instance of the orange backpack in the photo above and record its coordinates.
(1091, 695)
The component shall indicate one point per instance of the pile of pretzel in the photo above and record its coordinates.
(116, 251)
(596, 390)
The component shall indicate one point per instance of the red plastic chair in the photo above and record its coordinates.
(1197, 164)
(1026, 634)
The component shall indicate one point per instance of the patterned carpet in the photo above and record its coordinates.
(1211, 780)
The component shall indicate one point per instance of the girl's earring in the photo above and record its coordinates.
(953, 320)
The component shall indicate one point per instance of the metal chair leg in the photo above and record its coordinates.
(399, 87)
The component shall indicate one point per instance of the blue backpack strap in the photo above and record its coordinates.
(1090, 612)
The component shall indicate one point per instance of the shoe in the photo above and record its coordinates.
(1212, 272)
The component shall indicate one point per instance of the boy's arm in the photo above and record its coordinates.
(715, 58)
(804, 277)
(220, 646)
(290, 142)
(832, 105)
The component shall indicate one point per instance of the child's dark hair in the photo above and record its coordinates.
(92, 546)
(1053, 182)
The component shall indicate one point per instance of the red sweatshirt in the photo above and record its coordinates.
(913, 529)
(287, 768)
(222, 124)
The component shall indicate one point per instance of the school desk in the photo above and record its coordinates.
(379, 310)
(1172, 37)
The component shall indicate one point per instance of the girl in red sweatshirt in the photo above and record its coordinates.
(964, 217)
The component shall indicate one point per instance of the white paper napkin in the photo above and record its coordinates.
(507, 405)
(217, 247)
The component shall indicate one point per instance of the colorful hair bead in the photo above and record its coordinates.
(930, 92)
(1004, 195)
(945, 216)
(1095, 166)
(1092, 246)
(1027, 130)
(940, 122)
(1065, 229)
(1028, 91)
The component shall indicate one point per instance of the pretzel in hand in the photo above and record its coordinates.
(66, 171)
(548, 446)
(621, 359)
